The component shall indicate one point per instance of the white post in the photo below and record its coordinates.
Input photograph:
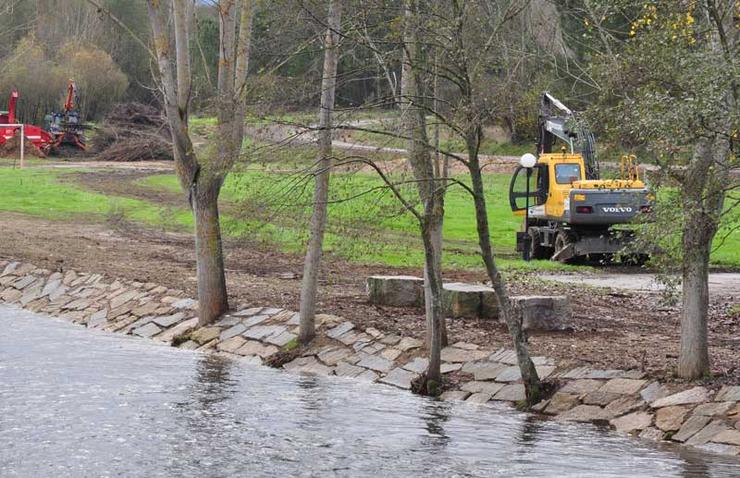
(23, 143)
(23, 137)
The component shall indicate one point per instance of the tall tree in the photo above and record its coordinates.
(202, 178)
(668, 82)
(323, 168)
(430, 185)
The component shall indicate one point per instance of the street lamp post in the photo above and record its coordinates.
(527, 161)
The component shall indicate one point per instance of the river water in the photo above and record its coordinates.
(76, 403)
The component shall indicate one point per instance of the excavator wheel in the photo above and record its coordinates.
(563, 243)
(536, 250)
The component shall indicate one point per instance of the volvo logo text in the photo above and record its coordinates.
(617, 209)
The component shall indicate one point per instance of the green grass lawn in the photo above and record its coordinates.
(366, 222)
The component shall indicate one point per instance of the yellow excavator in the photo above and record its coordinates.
(569, 212)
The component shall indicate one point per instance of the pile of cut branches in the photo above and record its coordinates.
(133, 132)
(12, 148)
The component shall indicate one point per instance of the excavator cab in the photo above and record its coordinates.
(569, 211)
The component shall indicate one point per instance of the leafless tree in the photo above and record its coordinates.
(323, 168)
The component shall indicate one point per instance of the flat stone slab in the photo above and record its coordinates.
(670, 418)
(623, 386)
(479, 398)
(259, 332)
(694, 395)
(255, 320)
(232, 331)
(169, 320)
(714, 408)
(482, 387)
(179, 329)
(391, 354)
(454, 395)
(707, 433)
(332, 355)
(340, 329)
(511, 393)
(343, 369)
(488, 371)
(399, 377)
(653, 392)
(231, 344)
(374, 362)
(729, 394)
(308, 365)
(581, 386)
(205, 334)
(584, 413)
(632, 422)
(185, 304)
(504, 356)
(406, 343)
(248, 312)
(281, 339)
(691, 427)
(450, 367)
(543, 313)
(561, 402)
(651, 433)
(452, 354)
(625, 404)
(396, 291)
(417, 365)
(148, 330)
(253, 347)
(729, 437)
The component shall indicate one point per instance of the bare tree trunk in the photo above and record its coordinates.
(202, 181)
(511, 317)
(431, 192)
(212, 296)
(321, 190)
(703, 201)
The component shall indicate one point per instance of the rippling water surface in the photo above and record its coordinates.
(77, 403)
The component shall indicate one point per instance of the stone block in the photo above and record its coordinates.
(633, 422)
(694, 395)
(561, 402)
(511, 393)
(543, 313)
(399, 377)
(729, 394)
(585, 413)
(469, 301)
(670, 418)
(396, 291)
(454, 395)
(479, 397)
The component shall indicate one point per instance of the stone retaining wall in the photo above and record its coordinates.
(624, 399)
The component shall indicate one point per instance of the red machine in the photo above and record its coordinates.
(40, 139)
(66, 127)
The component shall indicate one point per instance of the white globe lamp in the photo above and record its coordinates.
(527, 160)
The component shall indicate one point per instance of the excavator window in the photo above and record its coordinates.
(567, 173)
(537, 187)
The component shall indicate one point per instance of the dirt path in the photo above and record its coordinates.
(721, 284)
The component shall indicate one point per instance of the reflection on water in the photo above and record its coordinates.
(78, 403)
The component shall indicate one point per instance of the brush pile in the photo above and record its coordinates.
(12, 148)
(133, 132)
